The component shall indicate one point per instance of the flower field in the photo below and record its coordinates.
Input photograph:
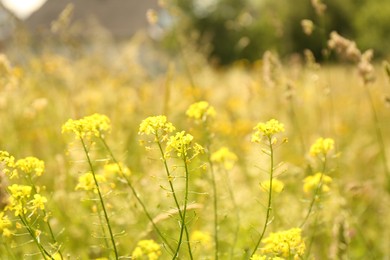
(103, 158)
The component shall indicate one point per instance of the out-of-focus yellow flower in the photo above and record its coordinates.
(224, 157)
(277, 186)
(147, 249)
(5, 223)
(311, 182)
(321, 147)
(267, 129)
(201, 238)
(307, 26)
(258, 257)
(89, 126)
(112, 169)
(87, 182)
(285, 244)
(8, 161)
(201, 111)
(152, 16)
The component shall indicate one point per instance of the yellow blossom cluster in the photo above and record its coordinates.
(311, 182)
(224, 157)
(201, 111)
(267, 129)
(89, 126)
(321, 147)
(20, 203)
(31, 165)
(288, 244)
(155, 125)
(181, 143)
(147, 249)
(5, 224)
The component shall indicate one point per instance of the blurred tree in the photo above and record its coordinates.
(244, 29)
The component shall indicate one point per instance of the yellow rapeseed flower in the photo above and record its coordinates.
(153, 125)
(30, 165)
(277, 186)
(267, 129)
(201, 111)
(321, 147)
(89, 126)
(311, 182)
(5, 223)
(113, 169)
(224, 157)
(285, 244)
(8, 162)
(18, 198)
(87, 182)
(258, 257)
(38, 202)
(201, 238)
(181, 143)
(147, 249)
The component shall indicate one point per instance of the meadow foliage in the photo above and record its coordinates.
(102, 158)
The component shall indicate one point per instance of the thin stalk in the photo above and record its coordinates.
(101, 199)
(42, 250)
(237, 213)
(379, 136)
(215, 205)
(317, 193)
(175, 199)
(183, 224)
(135, 194)
(29, 179)
(269, 208)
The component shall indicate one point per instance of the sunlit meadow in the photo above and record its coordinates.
(106, 157)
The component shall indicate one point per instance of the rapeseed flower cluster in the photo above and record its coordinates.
(88, 127)
(321, 147)
(224, 157)
(287, 244)
(267, 129)
(201, 111)
(147, 249)
(5, 224)
(181, 144)
(31, 165)
(311, 182)
(157, 126)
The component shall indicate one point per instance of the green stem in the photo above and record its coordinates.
(269, 208)
(183, 224)
(101, 199)
(379, 136)
(237, 213)
(31, 231)
(215, 205)
(46, 215)
(135, 194)
(317, 194)
(175, 199)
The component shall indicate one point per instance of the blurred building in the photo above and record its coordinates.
(122, 18)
